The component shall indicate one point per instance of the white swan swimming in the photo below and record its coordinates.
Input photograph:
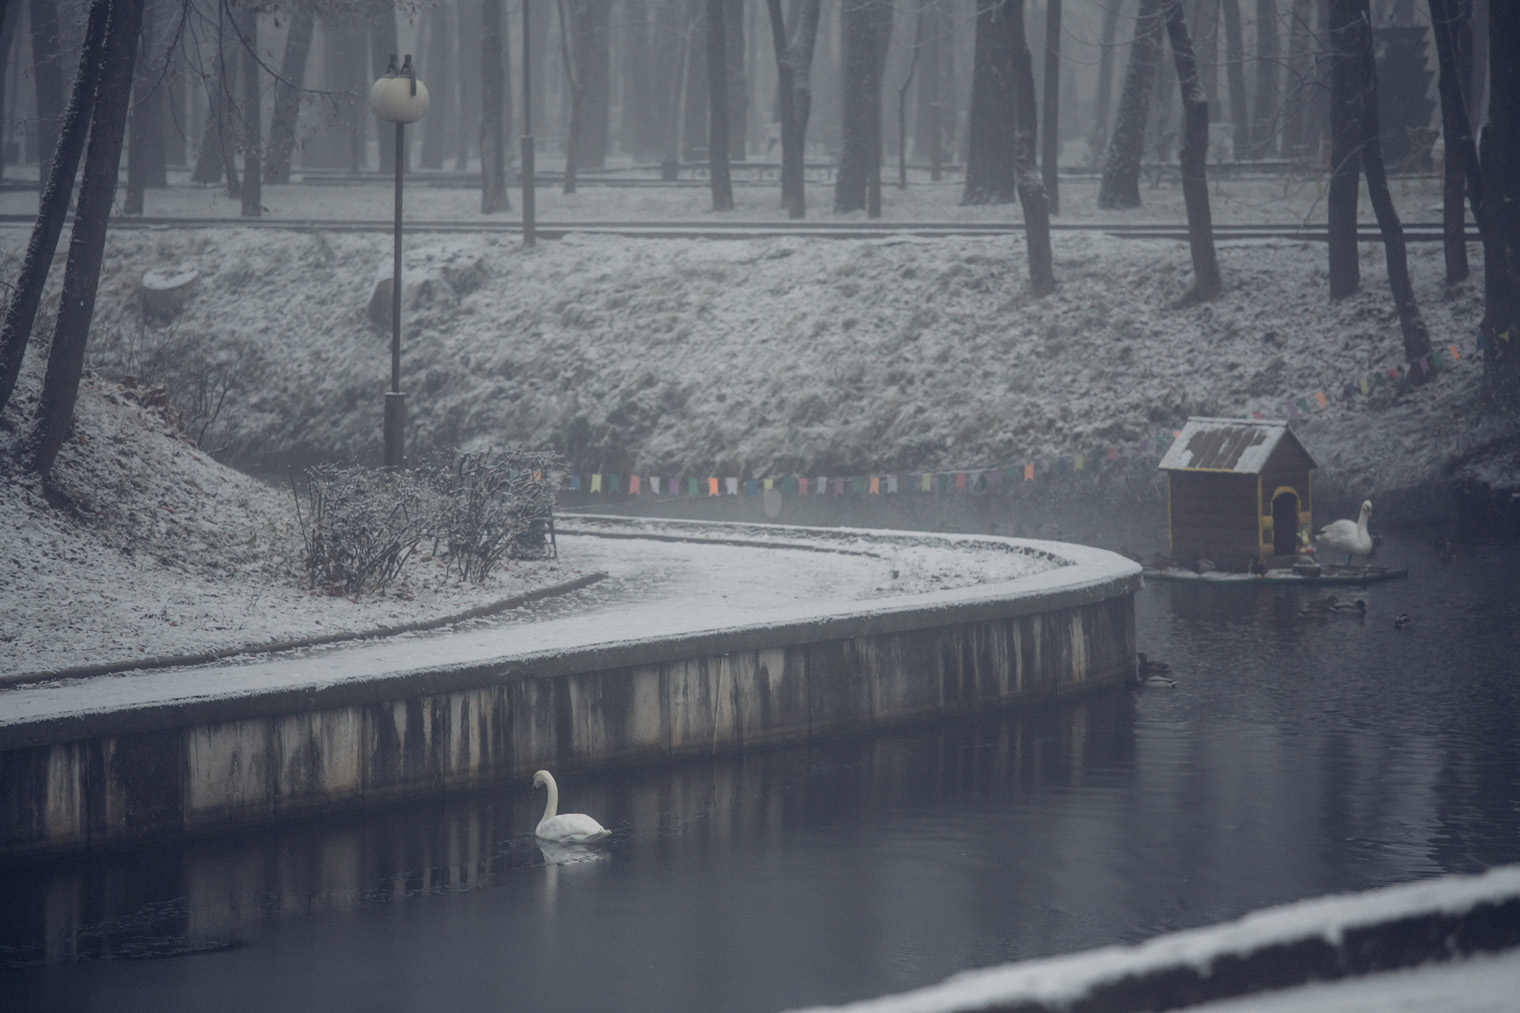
(565, 828)
(1350, 537)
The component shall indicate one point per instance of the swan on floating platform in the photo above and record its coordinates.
(1350, 537)
(564, 828)
(1155, 674)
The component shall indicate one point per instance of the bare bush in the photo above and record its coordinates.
(495, 505)
(360, 526)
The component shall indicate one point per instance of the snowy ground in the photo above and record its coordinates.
(673, 357)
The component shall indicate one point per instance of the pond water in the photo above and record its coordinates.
(1293, 759)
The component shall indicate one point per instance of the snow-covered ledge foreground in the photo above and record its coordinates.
(702, 639)
(1450, 945)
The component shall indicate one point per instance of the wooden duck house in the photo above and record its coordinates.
(1237, 488)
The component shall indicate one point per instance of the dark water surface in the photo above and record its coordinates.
(1294, 759)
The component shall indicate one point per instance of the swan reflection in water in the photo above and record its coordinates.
(558, 853)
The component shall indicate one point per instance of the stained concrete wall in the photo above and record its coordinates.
(140, 775)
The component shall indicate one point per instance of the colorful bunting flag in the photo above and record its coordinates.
(731, 486)
(575, 483)
(875, 489)
(1029, 471)
(633, 485)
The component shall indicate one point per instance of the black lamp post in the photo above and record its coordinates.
(527, 137)
(398, 98)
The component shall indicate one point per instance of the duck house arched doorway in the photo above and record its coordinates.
(1285, 523)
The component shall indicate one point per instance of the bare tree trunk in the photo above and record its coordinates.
(141, 123)
(1264, 125)
(443, 73)
(1050, 140)
(1195, 146)
(1462, 181)
(1411, 324)
(469, 17)
(1500, 154)
(1120, 186)
(717, 107)
(1235, 73)
(738, 83)
(1097, 143)
(384, 42)
(215, 156)
(990, 174)
(1026, 131)
(867, 25)
(8, 25)
(47, 78)
(493, 141)
(1206, 26)
(250, 115)
(596, 80)
(1300, 88)
(902, 99)
(574, 40)
(797, 62)
(1345, 150)
(929, 136)
(287, 93)
(53, 205)
(81, 277)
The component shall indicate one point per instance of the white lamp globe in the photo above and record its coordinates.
(392, 100)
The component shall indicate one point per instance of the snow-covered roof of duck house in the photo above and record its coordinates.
(1237, 489)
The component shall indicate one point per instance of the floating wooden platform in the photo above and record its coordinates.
(1326, 575)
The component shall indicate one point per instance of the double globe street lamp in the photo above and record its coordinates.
(397, 98)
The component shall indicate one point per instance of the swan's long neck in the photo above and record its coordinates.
(1361, 522)
(552, 805)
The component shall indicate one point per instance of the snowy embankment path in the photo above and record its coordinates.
(657, 591)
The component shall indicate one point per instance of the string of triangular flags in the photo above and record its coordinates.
(992, 480)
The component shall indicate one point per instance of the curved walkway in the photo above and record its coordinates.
(670, 586)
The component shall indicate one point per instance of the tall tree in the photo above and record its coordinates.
(1120, 185)
(738, 81)
(1462, 181)
(1050, 140)
(1235, 75)
(493, 112)
(1345, 150)
(215, 156)
(145, 145)
(250, 112)
(53, 205)
(384, 43)
(442, 72)
(717, 107)
(1356, 101)
(575, 51)
(281, 141)
(1097, 142)
(1301, 84)
(929, 134)
(1026, 130)
(794, 63)
(867, 29)
(1195, 146)
(47, 76)
(902, 98)
(9, 21)
(1500, 155)
(596, 108)
(1268, 100)
(81, 276)
(1206, 46)
(990, 155)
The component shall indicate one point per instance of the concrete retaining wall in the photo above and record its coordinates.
(120, 778)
